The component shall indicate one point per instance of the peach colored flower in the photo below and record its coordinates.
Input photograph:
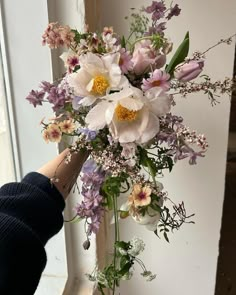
(67, 126)
(46, 135)
(140, 196)
(54, 133)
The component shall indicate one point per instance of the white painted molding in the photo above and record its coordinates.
(9, 97)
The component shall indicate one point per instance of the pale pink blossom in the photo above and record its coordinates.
(146, 58)
(157, 78)
(125, 61)
(189, 71)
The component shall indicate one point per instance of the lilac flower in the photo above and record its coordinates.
(90, 134)
(179, 139)
(89, 166)
(75, 102)
(174, 11)
(157, 9)
(157, 29)
(91, 207)
(46, 86)
(35, 97)
(57, 97)
(157, 79)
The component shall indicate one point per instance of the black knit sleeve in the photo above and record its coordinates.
(30, 214)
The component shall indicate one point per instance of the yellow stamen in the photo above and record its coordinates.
(100, 85)
(124, 114)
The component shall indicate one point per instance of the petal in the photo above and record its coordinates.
(130, 131)
(114, 75)
(88, 100)
(147, 190)
(161, 105)
(92, 64)
(137, 189)
(125, 132)
(126, 92)
(131, 103)
(159, 102)
(79, 82)
(110, 112)
(151, 130)
(96, 116)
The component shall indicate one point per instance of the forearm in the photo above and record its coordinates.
(63, 174)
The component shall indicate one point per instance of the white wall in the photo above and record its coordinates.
(187, 265)
(29, 63)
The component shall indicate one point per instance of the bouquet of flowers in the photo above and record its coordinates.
(115, 101)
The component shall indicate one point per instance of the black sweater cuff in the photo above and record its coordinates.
(35, 202)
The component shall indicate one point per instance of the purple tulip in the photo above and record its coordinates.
(189, 71)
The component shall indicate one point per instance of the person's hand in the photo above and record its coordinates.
(64, 175)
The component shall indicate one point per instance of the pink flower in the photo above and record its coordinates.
(146, 58)
(140, 196)
(56, 35)
(125, 62)
(189, 71)
(157, 79)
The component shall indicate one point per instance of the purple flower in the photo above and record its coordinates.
(157, 9)
(189, 71)
(91, 207)
(157, 29)
(75, 102)
(89, 166)
(90, 134)
(174, 11)
(35, 97)
(57, 97)
(46, 86)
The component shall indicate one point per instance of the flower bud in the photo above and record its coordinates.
(189, 71)
(86, 244)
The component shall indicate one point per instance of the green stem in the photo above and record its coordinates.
(140, 39)
(117, 238)
(152, 175)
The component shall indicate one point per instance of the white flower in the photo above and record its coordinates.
(137, 246)
(130, 115)
(150, 219)
(129, 153)
(109, 41)
(96, 77)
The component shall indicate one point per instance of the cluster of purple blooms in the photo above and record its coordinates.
(91, 207)
(159, 11)
(177, 137)
(54, 94)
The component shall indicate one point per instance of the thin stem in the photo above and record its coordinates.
(117, 238)
(140, 39)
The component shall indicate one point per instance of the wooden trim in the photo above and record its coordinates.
(93, 14)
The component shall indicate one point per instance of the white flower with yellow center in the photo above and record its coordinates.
(96, 77)
(130, 115)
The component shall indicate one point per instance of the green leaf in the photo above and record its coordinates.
(123, 261)
(147, 162)
(166, 237)
(125, 268)
(179, 55)
(122, 245)
(170, 163)
(123, 42)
